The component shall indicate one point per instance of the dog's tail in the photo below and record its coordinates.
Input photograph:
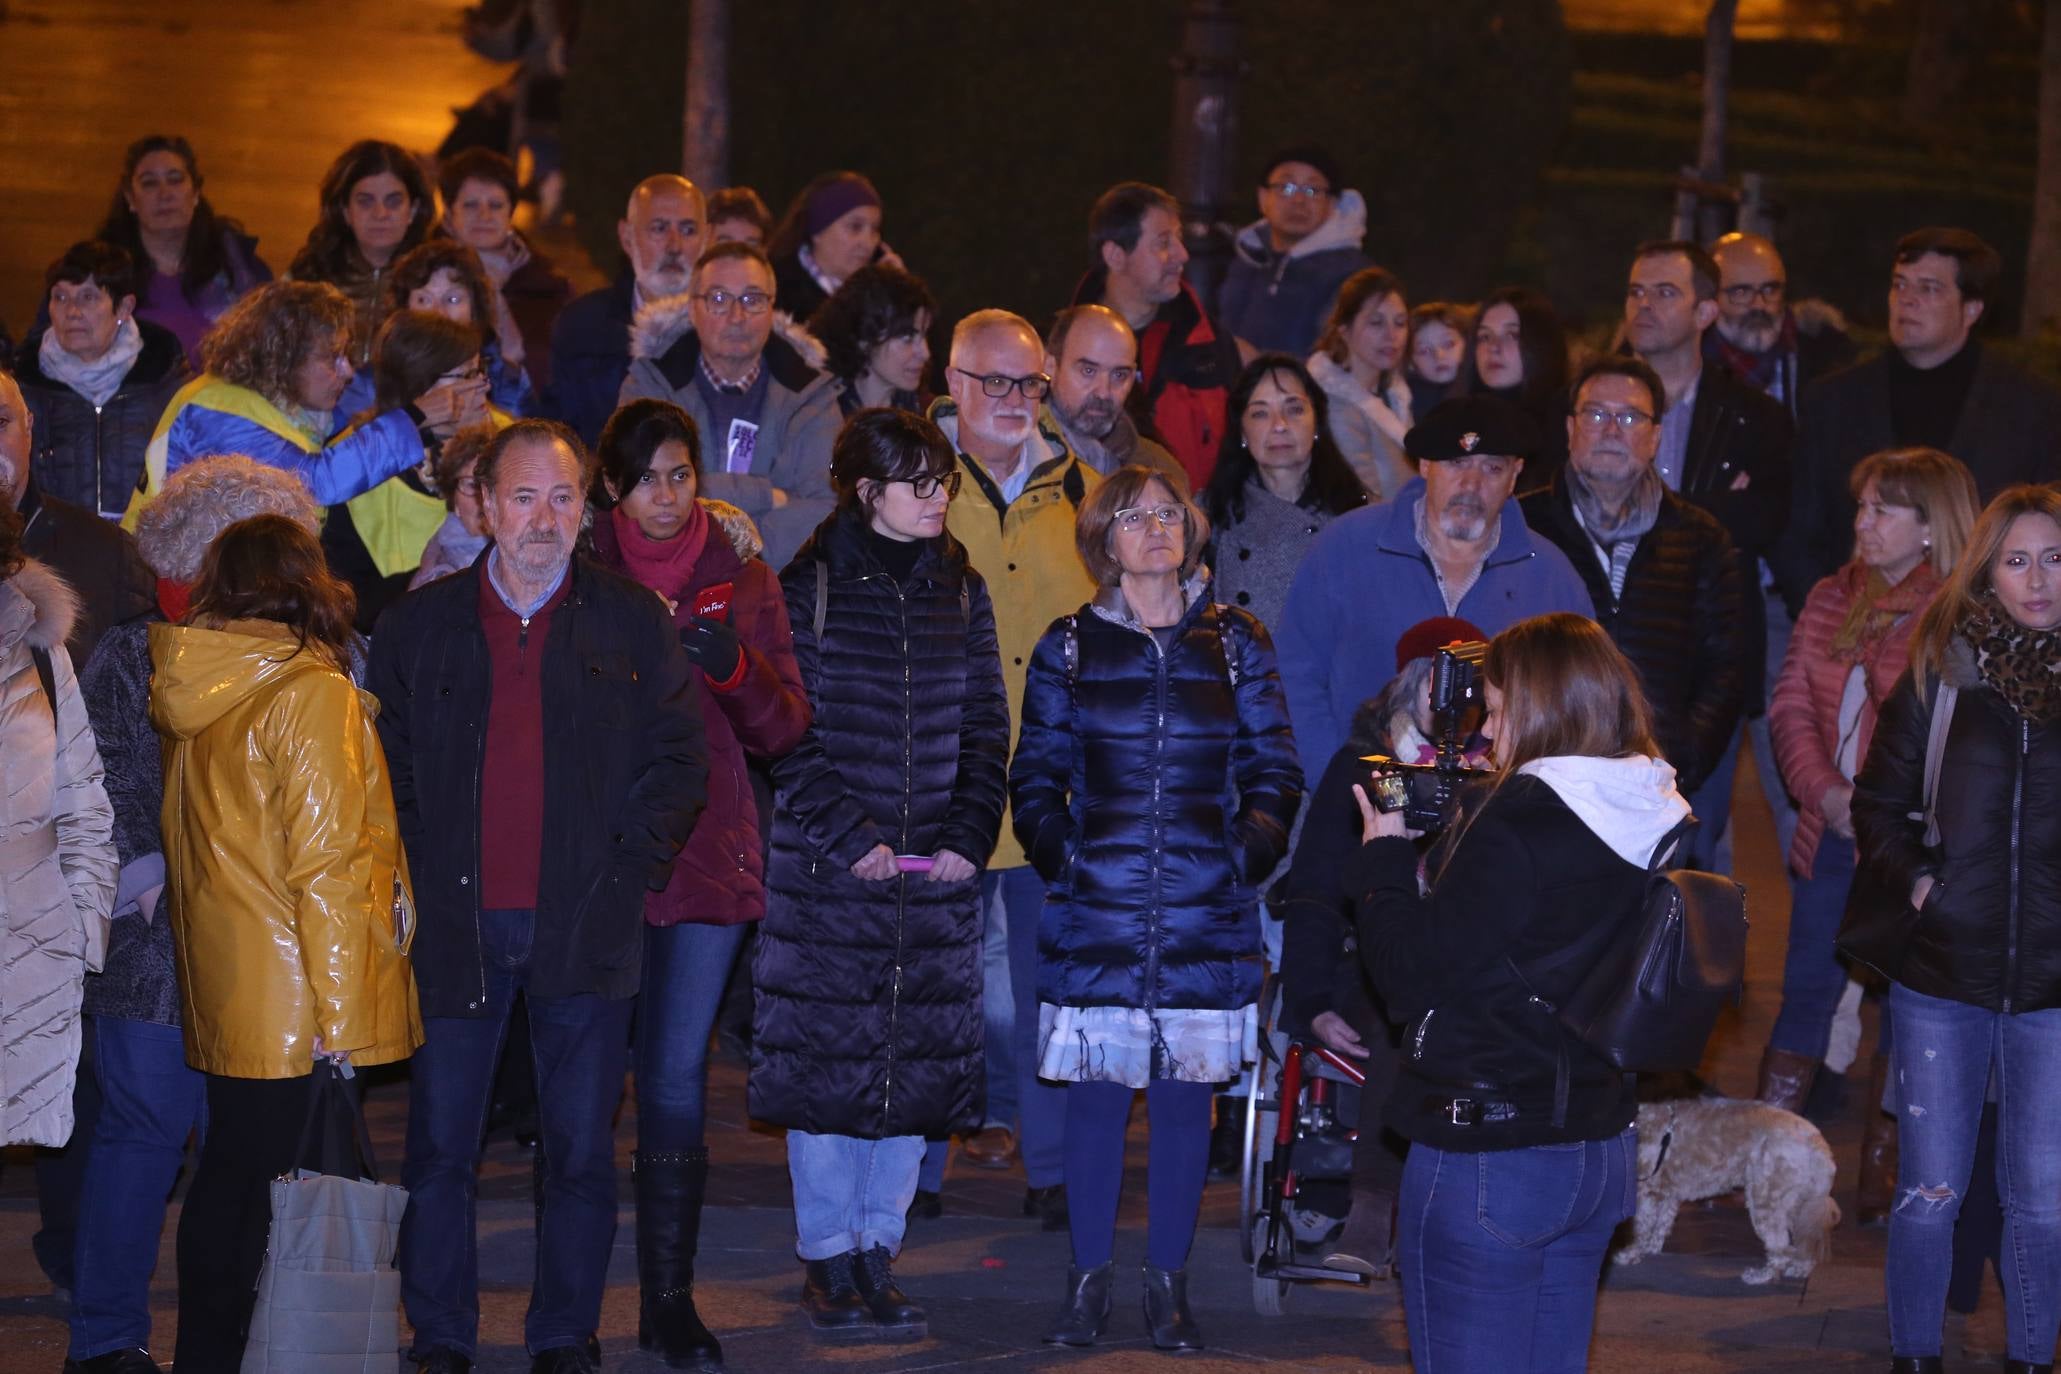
(1810, 1229)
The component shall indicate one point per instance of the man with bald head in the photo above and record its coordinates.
(662, 231)
(1092, 357)
(1761, 336)
(1021, 485)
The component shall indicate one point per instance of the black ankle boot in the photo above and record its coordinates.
(1084, 1316)
(1166, 1310)
(832, 1300)
(670, 1189)
(1916, 1364)
(2023, 1367)
(897, 1318)
(1227, 1138)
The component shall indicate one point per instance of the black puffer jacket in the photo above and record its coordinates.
(1682, 621)
(1990, 930)
(92, 457)
(868, 1016)
(1153, 790)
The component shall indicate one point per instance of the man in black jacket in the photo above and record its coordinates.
(543, 730)
(1936, 385)
(1661, 571)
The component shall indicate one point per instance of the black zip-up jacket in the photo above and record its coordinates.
(624, 777)
(1527, 881)
(92, 455)
(1990, 931)
(868, 1021)
(1682, 621)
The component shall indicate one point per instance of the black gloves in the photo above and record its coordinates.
(713, 646)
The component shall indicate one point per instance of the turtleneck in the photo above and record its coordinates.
(898, 556)
(1925, 404)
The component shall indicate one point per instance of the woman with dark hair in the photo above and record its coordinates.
(463, 535)
(375, 540)
(867, 1036)
(1359, 361)
(1955, 902)
(1144, 714)
(1520, 354)
(1278, 481)
(275, 369)
(291, 911)
(1522, 1154)
(200, 263)
(732, 620)
(480, 188)
(831, 230)
(376, 205)
(875, 331)
(446, 278)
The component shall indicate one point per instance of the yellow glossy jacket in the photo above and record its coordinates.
(291, 910)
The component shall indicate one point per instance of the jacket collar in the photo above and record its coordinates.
(1109, 603)
(1395, 527)
(1345, 228)
(162, 357)
(840, 543)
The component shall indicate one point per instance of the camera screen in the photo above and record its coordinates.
(1391, 791)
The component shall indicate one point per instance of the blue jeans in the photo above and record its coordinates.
(1944, 1054)
(850, 1194)
(1501, 1252)
(1709, 847)
(1813, 979)
(577, 1043)
(1780, 628)
(686, 968)
(150, 1102)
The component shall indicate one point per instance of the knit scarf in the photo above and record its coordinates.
(1760, 369)
(667, 568)
(1641, 509)
(1876, 609)
(99, 379)
(2022, 665)
(503, 262)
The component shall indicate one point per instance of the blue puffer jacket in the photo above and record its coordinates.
(1153, 790)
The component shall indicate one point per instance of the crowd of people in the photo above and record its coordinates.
(407, 660)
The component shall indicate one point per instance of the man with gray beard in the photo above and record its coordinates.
(1452, 542)
(1092, 357)
(1666, 583)
(1763, 336)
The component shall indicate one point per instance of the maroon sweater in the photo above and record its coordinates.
(511, 800)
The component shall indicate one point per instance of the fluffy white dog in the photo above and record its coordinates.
(1701, 1147)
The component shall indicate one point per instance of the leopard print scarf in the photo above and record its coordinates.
(2022, 665)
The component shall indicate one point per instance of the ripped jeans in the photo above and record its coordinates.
(1945, 1052)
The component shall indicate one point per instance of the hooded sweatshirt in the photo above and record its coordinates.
(1630, 803)
(1278, 301)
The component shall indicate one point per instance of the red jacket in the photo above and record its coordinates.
(1804, 715)
(719, 876)
(1184, 377)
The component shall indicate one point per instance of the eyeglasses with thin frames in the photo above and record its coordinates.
(1301, 190)
(719, 301)
(1600, 418)
(1132, 518)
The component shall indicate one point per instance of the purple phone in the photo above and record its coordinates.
(914, 863)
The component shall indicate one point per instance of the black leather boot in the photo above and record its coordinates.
(2023, 1367)
(1915, 1364)
(1084, 1316)
(670, 1188)
(1166, 1310)
(896, 1318)
(832, 1300)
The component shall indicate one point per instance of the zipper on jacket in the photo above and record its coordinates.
(1152, 921)
(1417, 1040)
(894, 996)
(2017, 826)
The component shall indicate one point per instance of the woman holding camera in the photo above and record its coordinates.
(1523, 1158)
(1957, 902)
(1153, 786)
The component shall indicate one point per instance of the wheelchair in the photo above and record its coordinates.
(1301, 1100)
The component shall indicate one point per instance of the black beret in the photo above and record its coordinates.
(1467, 425)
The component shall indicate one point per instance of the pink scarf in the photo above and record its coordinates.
(667, 568)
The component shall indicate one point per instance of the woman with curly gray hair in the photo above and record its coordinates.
(150, 1099)
(273, 371)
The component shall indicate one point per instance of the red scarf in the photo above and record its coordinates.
(173, 598)
(667, 568)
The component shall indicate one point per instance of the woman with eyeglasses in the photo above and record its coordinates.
(866, 1036)
(1154, 783)
(375, 540)
(274, 373)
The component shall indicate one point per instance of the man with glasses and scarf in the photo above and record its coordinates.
(1762, 336)
(1662, 571)
(767, 414)
(1015, 515)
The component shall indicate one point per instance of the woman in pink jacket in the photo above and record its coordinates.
(1851, 644)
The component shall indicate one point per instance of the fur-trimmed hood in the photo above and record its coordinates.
(42, 608)
(660, 324)
(1346, 229)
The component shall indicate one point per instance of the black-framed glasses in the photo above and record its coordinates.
(1746, 293)
(1132, 518)
(926, 484)
(1602, 417)
(996, 386)
(1301, 190)
(719, 301)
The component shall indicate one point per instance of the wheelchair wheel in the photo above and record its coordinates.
(1269, 1295)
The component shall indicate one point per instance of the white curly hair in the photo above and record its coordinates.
(208, 496)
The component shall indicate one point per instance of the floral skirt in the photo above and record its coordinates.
(1132, 1046)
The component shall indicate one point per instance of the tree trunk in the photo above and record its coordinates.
(1942, 58)
(705, 132)
(1717, 90)
(1206, 74)
(2043, 251)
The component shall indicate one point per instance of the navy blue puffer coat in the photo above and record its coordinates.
(1153, 790)
(868, 1014)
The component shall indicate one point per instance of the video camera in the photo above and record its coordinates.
(1424, 792)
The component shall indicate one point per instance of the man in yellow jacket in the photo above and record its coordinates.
(1015, 516)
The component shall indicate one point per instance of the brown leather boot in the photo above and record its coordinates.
(1785, 1079)
(1877, 1191)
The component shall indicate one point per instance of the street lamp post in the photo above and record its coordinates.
(1206, 72)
